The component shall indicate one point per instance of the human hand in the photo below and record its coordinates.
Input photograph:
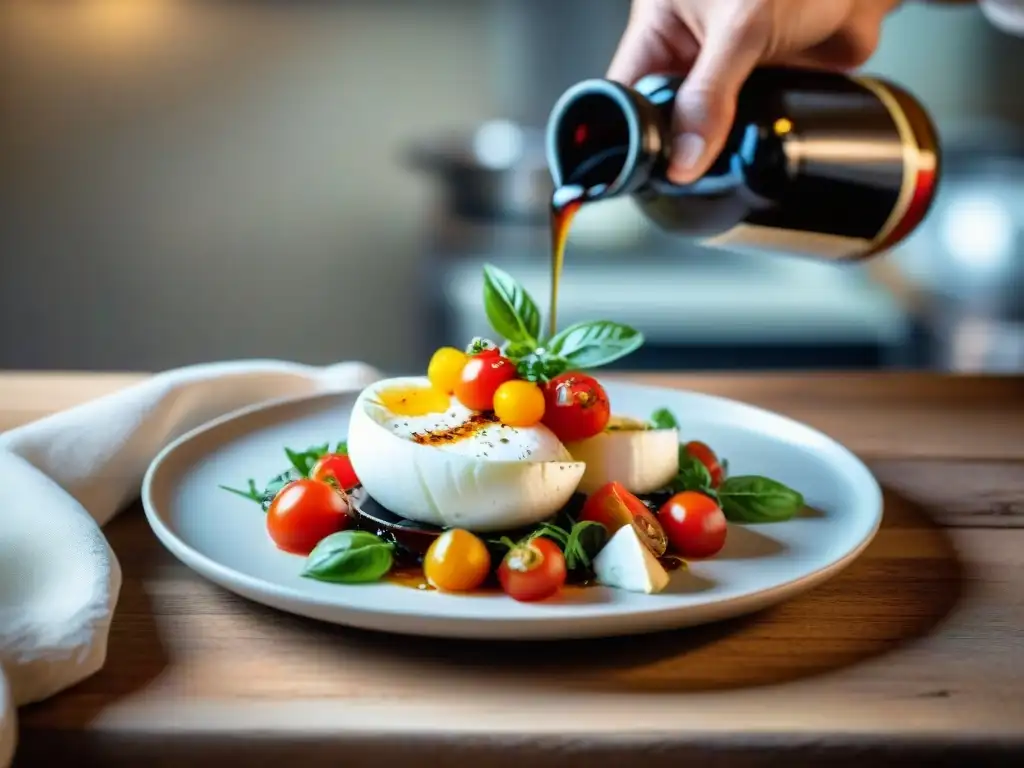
(717, 43)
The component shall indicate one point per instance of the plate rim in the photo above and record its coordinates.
(559, 625)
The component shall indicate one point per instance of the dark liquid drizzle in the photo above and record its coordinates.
(565, 204)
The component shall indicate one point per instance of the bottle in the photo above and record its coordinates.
(816, 163)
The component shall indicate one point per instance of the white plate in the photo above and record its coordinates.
(222, 536)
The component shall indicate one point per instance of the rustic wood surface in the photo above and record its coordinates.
(914, 653)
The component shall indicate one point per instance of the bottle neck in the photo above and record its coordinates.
(606, 139)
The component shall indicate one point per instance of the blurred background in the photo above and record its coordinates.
(191, 181)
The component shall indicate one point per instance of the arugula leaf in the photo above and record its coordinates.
(663, 418)
(302, 463)
(510, 310)
(755, 499)
(252, 493)
(593, 344)
(580, 542)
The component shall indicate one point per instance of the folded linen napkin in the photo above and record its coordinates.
(64, 476)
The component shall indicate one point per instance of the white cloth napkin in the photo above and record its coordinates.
(64, 476)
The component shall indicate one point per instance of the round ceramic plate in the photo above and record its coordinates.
(222, 536)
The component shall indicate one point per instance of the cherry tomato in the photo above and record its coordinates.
(445, 368)
(482, 348)
(519, 403)
(613, 506)
(575, 407)
(702, 453)
(457, 561)
(480, 379)
(304, 512)
(695, 524)
(338, 466)
(533, 571)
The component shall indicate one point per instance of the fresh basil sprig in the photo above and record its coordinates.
(510, 310)
(692, 475)
(593, 344)
(350, 557)
(754, 499)
(302, 463)
(514, 316)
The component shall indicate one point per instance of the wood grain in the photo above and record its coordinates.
(913, 655)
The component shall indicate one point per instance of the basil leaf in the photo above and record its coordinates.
(586, 539)
(541, 367)
(663, 418)
(754, 499)
(349, 557)
(593, 344)
(517, 350)
(510, 310)
(692, 475)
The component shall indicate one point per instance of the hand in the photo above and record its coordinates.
(717, 43)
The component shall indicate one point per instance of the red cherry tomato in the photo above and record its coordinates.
(694, 523)
(480, 379)
(338, 466)
(304, 512)
(613, 506)
(533, 571)
(575, 407)
(702, 453)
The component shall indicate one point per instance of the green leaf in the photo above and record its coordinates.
(252, 494)
(593, 344)
(479, 344)
(586, 539)
(342, 448)
(517, 350)
(754, 499)
(541, 367)
(692, 475)
(350, 557)
(510, 310)
(663, 418)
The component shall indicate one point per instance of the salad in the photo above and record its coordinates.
(506, 467)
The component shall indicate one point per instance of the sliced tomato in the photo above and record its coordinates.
(613, 506)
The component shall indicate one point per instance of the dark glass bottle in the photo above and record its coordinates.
(820, 164)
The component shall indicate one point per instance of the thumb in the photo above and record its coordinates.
(706, 102)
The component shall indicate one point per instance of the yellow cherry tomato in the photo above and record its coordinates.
(457, 561)
(445, 368)
(519, 403)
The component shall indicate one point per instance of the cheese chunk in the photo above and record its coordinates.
(626, 563)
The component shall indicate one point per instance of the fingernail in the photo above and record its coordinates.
(687, 152)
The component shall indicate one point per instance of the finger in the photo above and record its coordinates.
(706, 103)
(641, 52)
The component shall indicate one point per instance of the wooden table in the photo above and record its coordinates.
(915, 653)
